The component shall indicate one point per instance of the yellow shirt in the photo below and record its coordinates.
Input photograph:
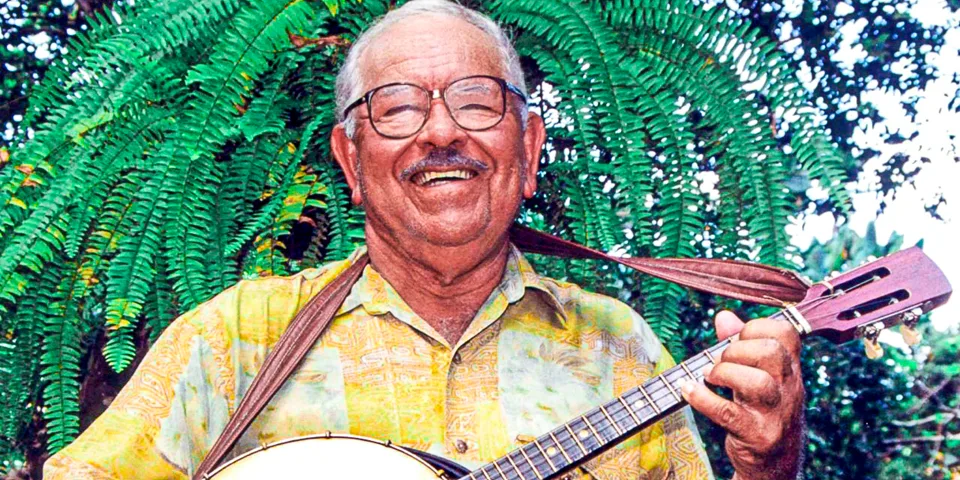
(538, 352)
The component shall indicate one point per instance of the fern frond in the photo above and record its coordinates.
(735, 59)
(278, 175)
(681, 220)
(608, 92)
(131, 272)
(160, 309)
(86, 181)
(60, 364)
(20, 356)
(92, 180)
(114, 73)
(344, 223)
(238, 59)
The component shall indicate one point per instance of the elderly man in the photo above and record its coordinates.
(449, 342)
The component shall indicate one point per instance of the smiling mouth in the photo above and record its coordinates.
(432, 179)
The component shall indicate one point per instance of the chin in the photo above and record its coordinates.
(453, 232)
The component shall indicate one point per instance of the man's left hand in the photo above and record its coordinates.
(764, 421)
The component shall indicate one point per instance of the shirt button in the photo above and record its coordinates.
(461, 446)
(456, 357)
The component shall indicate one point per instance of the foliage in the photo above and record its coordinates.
(887, 414)
(31, 31)
(925, 435)
(180, 145)
(847, 49)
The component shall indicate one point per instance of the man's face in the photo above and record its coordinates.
(388, 175)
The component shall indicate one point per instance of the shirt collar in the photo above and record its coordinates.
(378, 297)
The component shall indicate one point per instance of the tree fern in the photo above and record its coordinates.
(182, 144)
(239, 58)
(604, 88)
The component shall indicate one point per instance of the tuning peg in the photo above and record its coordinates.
(910, 335)
(869, 334)
(872, 349)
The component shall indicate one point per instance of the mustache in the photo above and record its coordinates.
(443, 157)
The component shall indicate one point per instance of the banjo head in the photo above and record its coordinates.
(329, 456)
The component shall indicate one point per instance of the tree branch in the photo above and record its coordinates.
(921, 421)
(931, 392)
(934, 438)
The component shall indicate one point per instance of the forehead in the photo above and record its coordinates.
(429, 50)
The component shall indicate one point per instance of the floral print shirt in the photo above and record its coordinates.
(538, 353)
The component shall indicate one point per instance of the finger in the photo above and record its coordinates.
(750, 385)
(766, 354)
(728, 324)
(780, 330)
(732, 417)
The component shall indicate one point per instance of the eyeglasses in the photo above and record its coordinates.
(400, 110)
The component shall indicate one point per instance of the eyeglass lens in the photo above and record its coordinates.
(475, 103)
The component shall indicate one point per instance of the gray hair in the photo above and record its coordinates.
(348, 80)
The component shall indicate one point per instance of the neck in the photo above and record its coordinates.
(583, 438)
(445, 286)
(588, 435)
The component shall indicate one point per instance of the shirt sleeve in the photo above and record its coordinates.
(164, 419)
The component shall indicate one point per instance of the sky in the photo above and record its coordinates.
(934, 124)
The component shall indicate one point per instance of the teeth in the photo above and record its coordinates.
(425, 177)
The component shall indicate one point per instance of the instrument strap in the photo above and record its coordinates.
(746, 281)
(283, 359)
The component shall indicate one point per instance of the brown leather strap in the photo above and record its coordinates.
(751, 282)
(294, 343)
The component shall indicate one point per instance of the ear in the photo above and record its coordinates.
(345, 152)
(533, 139)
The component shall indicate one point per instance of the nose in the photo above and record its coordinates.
(441, 130)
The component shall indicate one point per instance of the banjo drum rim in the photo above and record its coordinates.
(441, 474)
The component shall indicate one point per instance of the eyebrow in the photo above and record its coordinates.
(474, 87)
(393, 89)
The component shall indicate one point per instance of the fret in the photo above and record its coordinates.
(629, 410)
(485, 474)
(607, 433)
(544, 454)
(670, 387)
(575, 439)
(601, 426)
(616, 412)
(638, 404)
(624, 415)
(560, 447)
(675, 375)
(600, 440)
(707, 352)
(499, 470)
(656, 408)
(532, 466)
(514, 465)
(614, 423)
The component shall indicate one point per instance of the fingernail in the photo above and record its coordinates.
(707, 370)
(686, 388)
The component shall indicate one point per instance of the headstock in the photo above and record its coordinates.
(860, 303)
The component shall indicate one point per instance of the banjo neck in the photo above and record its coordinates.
(588, 435)
(857, 304)
(894, 290)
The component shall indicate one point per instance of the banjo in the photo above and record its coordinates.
(894, 290)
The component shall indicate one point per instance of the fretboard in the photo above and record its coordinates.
(588, 435)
